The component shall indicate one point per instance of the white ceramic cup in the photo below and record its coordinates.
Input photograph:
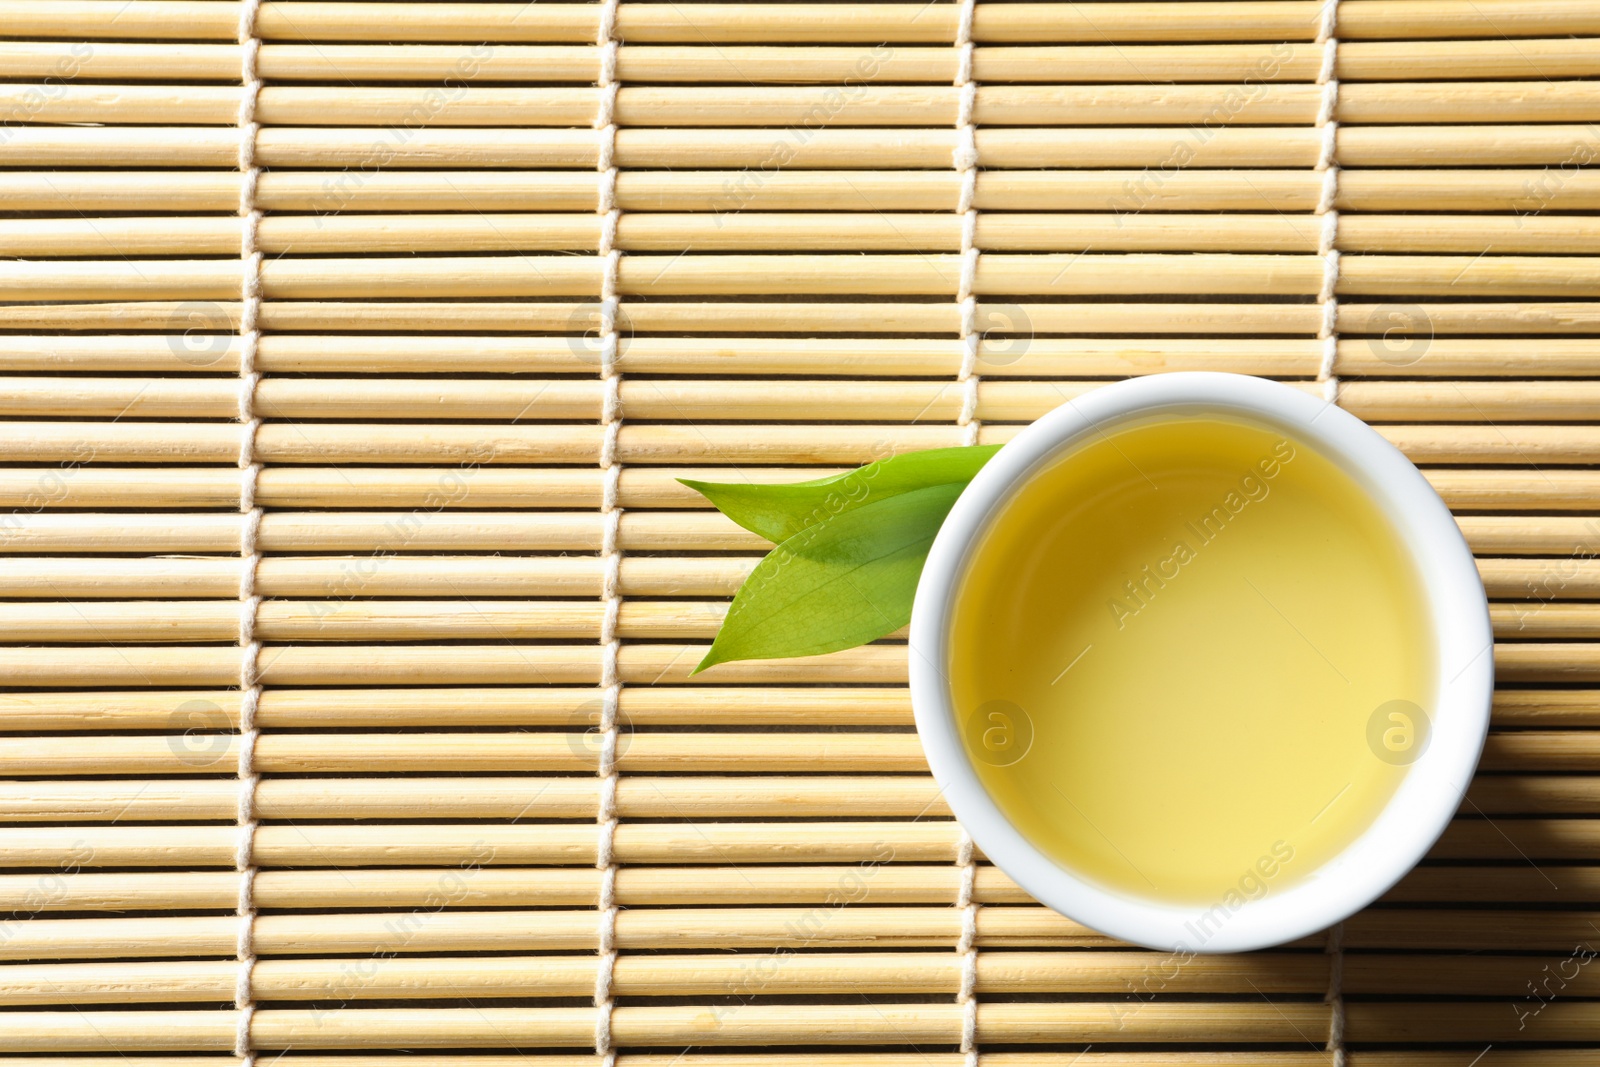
(1428, 794)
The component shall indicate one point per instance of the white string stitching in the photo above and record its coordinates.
(250, 524)
(965, 161)
(1334, 998)
(967, 949)
(611, 518)
(1328, 167)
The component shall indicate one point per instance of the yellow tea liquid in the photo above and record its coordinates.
(1191, 659)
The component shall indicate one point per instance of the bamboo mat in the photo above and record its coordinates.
(351, 351)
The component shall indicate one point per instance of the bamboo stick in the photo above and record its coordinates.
(1496, 1058)
(1447, 101)
(716, 355)
(871, 149)
(1459, 233)
(473, 798)
(920, 274)
(868, 23)
(1541, 581)
(867, 105)
(1423, 1021)
(1545, 662)
(467, 147)
(392, 576)
(695, 275)
(185, 1060)
(921, 1058)
(1549, 708)
(200, 751)
(1499, 1057)
(649, 22)
(1529, 535)
(1520, 840)
(642, 232)
(452, 930)
(447, 846)
(1534, 794)
(535, 400)
(660, 22)
(1465, 18)
(1257, 102)
(1497, 275)
(1443, 320)
(688, 975)
(135, 983)
(45, 533)
(463, 446)
(1543, 620)
(509, 886)
(516, 400)
(539, 400)
(887, 1024)
(1519, 444)
(335, 620)
(327, 191)
(1490, 490)
(781, 64)
(37, 489)
(199, 236)
(1359, 60)
(534, 148)
(1000, 147)
(1447, 145)
(997, 22)
(884, 973)
(786, 64)
(1490, 885)
(201, 621)
(498, 664)
(183, 1031)
(1441, 928)
(376, 532)
(1130, 191)
(1008, 352)
(1467, 401)
(1546, 748)
(729, 356)
(754, 231)
(544, 706)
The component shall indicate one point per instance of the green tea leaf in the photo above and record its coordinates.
(838, 583)
(778, 512)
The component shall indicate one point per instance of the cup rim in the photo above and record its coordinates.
(1428, 794)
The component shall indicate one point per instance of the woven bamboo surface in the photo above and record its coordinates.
(348, 598)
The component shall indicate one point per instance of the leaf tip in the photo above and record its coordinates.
(711, 659)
